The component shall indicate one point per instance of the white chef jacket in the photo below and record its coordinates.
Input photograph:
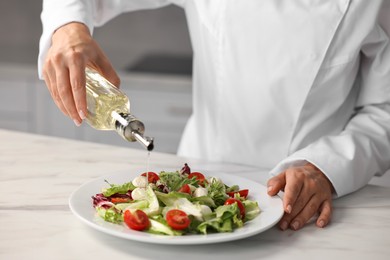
(277, 82)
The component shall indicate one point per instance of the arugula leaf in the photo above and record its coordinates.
(217, 191)
(175, 180)
(232, 188)
(121, 189)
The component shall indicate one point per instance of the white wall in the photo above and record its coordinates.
(124, 39)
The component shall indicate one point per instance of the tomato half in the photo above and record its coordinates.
(152, 177)
(243, 193)
(199, 177)
(138, 220)
(185, 189)
(239, 204)
(177, 219)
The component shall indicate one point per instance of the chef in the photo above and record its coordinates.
(301, 88)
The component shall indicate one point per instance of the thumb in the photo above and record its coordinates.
(276, 184)
(110, 74)
(104, 66)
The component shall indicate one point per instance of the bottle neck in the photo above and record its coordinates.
(132, 129)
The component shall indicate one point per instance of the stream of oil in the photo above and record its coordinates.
(147, 165)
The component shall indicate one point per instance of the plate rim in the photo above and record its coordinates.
(173, 240)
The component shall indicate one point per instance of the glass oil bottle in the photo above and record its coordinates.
(109, 109)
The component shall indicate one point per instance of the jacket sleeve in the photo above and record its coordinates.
(362, 150)
(56, 13)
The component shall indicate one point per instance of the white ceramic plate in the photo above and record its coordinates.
(80, 203)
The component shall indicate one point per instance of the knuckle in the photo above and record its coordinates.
(56, 58)
(77, 86)
(62, 91)
(312, 185)
(290, 171)
(55, 96)
(293, 188)
(74, 55)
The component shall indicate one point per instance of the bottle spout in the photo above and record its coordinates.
(131, 129)
(147, 142)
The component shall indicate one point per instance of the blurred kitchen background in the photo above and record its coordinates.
(150, 49)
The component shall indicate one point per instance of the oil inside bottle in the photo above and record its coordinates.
(104, 102)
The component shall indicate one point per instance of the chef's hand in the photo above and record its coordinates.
(307, 191)
(72, 49)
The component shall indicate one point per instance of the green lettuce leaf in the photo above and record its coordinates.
(226, 218)
(204, 200)
(154, 206)
(168, 199)
(139, 204)
(158, 225)
(111, 215)
(150, 205)
(252, 209)
(196, 210)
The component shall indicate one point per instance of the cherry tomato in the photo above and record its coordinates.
(152, 177)
(185, 189)
(199, 177)
(177, 219)
(239, 204)
(137, 220)
(116, 200)
(243, 193)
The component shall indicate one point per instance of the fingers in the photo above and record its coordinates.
(306, 192)
(64, 69)
(65, 89)
(51, 83)
(297, 220)
(292, 190)
(77, 82)
(69, 97)
(72, 49)
(325, 214)
(301, 210)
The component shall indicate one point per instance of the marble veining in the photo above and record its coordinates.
(38, 174)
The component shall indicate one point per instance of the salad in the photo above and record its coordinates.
(176, 203)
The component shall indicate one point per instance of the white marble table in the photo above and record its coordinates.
(38, 174)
